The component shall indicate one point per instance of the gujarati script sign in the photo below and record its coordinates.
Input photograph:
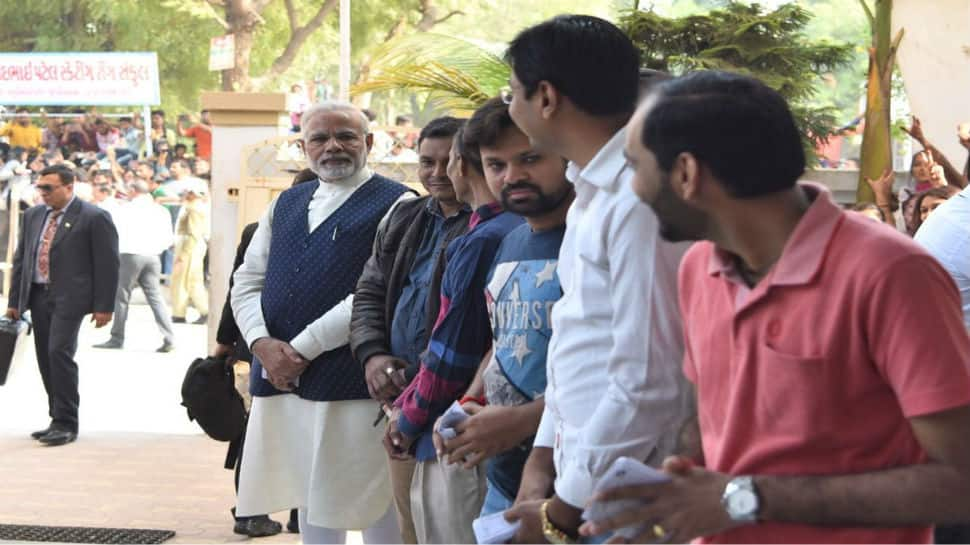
(81, 79)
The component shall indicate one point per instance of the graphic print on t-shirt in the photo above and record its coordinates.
(520, 296)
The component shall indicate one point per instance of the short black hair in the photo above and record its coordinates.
(160, 113)
(124, 119)
(468, 153)
(725, 120)
(488, 123)
(22, 110)
(65, 173)
(181, 162)
(587, 59)
(402, 119)
(183, 146)
(440, 127)
(100, 121)
(484, 129)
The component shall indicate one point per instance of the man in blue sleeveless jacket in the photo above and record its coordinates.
(310, 439)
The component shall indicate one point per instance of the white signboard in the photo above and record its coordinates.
(222, 52)
(79, 79)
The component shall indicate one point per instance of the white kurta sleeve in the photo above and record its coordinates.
(248, 282)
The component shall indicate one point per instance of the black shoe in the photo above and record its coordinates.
(204, 319)
(109, 344)
(40, 433)
(263, 526)
(293, 525)
(178, 320)
(57, 438)
(165, 348)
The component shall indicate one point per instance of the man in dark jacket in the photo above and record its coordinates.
(397, 297)
(66, 266)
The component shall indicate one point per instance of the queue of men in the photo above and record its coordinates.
(779, 371)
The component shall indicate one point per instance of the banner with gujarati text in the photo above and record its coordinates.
(79, 79)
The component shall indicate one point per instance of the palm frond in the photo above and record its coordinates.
(459, 73)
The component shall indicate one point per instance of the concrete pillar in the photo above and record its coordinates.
(238, 120)
(934, 58)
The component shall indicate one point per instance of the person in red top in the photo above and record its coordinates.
(833, 405)
(202, 133)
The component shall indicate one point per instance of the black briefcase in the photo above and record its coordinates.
(10, 331)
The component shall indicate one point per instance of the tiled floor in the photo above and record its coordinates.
(139, 462)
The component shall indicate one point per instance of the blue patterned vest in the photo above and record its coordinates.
(309, 273)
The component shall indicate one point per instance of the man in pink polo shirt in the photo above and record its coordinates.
(833, 403)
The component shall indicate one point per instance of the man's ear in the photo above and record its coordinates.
(685, 176)
(369, 140)
(302, 145)
(550, 100)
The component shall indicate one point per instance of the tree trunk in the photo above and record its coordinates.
(877, 154)
(242, 18)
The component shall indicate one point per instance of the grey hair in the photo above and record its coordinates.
(333, 106)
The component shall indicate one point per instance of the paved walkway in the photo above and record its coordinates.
(138, 463)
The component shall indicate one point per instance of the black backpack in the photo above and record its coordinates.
(210, 397)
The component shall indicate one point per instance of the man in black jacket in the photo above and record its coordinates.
(396, 302)
(66, 266)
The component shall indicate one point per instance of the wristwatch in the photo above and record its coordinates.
(549, 530)
(740, 499)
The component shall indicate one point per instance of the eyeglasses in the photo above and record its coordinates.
(47, 188)
(506, 94)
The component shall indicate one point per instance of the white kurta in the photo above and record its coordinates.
(325, 457)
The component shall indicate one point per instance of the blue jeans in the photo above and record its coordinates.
(495, 501)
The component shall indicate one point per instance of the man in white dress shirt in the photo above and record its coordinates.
(144, 231)
(615, 387)
(311, 441)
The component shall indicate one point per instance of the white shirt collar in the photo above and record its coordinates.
(66, 206)
(605, 168)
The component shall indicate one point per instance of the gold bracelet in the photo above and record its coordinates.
(552, 534)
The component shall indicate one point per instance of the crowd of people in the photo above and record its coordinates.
(781, 372)
(115, 169)
(595, 273)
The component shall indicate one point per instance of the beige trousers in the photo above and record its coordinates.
(445, 499)
(402, 471)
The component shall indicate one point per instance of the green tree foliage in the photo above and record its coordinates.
(117, 25)
(768, 45)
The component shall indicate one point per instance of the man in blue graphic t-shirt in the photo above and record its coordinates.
(505, 400)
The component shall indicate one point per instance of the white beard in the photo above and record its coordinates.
(335, 173)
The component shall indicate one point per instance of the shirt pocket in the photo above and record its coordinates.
(794, 395)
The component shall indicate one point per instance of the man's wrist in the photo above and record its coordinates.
(252, 345)
(564, 516)
(369, 350)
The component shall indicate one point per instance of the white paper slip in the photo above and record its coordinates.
(624, 472)
(451, 418)
(494, 528)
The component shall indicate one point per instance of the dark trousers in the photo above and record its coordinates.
(55, 339)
